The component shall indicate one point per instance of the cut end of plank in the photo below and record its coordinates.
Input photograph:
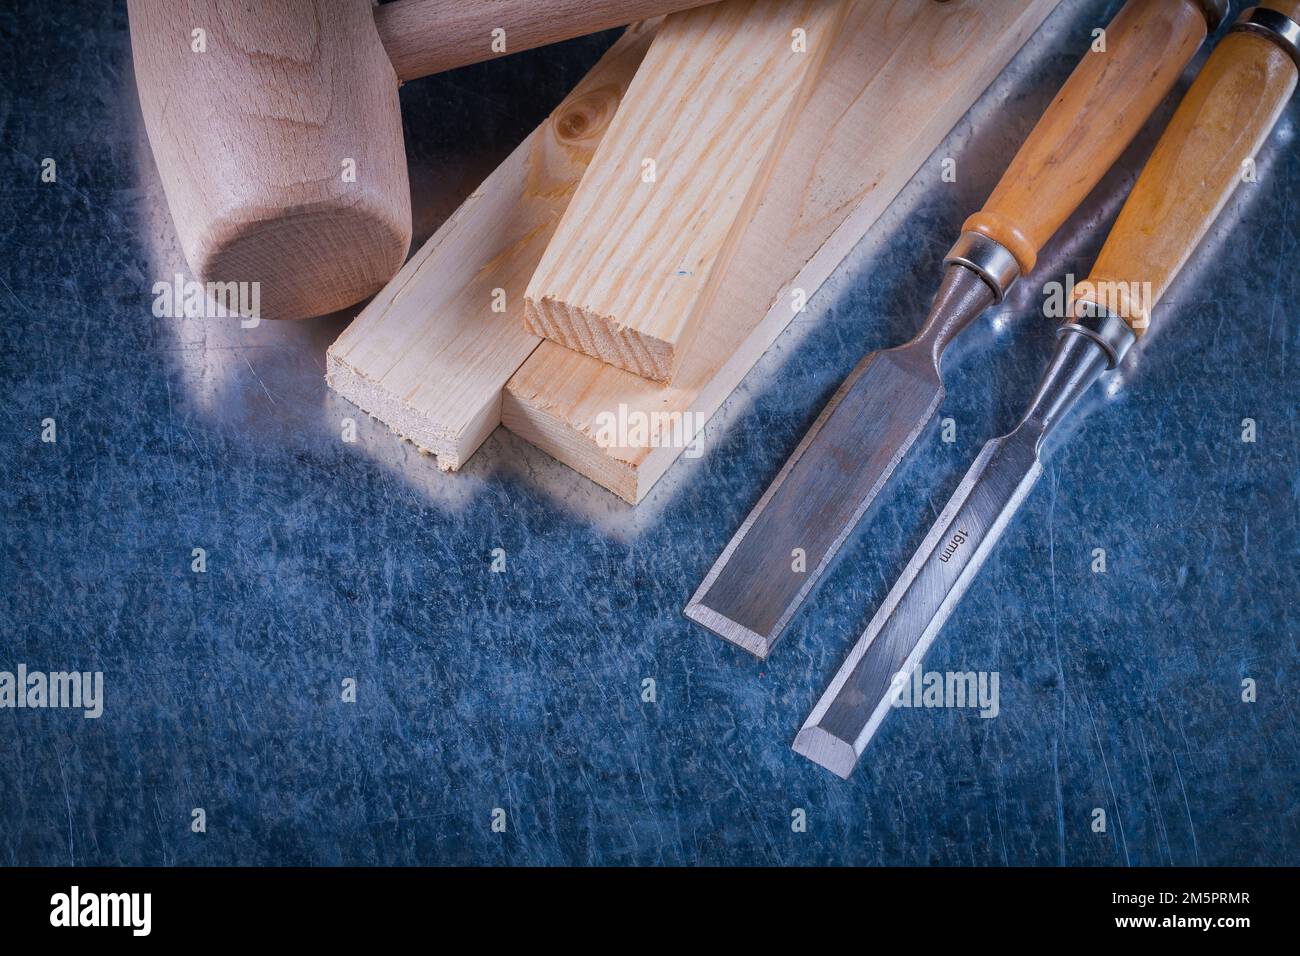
(630, 274)
(403, 419)
(824, 748)
(863, 133)
(431, 353)
(747, 640)
(601, 336)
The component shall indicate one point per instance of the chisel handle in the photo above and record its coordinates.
(1205, 152)
(1094, 117)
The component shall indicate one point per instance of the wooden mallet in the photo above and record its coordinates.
(277, 132)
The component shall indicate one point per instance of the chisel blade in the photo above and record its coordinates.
(889, 650)
(862, 692)
(791, 536)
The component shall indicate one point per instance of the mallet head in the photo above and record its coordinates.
(277, 133)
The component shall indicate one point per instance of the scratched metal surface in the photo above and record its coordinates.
(522, 690)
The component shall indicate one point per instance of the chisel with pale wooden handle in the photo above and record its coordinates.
(790, 537)
(1224, 119)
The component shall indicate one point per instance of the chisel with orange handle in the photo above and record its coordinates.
(1221, 123)
(791, 536)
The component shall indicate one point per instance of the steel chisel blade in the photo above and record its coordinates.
(861, 694)
(817, 499)
(794, 532)
(890, 649)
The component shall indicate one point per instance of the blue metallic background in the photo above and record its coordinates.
(522, 690)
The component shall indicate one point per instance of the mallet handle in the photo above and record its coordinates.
(429, 36)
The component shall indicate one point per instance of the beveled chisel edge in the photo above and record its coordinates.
(992, 491)
(760, 645)
(729, 630)
(963, 295)
(834, 752)
(826, 750)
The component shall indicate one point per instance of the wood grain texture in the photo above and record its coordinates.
(634, 265)
(430, 36)
(430, 355)
(1098, 111)
(250, 136)
(899, 77)
(1221, 123)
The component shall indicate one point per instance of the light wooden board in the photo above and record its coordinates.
(901, 75)
(630, 271)
(431, 353)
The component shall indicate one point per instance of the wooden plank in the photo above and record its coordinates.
(630, 272)
(430, 354)
(898, 80)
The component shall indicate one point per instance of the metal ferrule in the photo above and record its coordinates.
(991, 260)
(1084, 350)
(1104, 327)
(1274, 26)
(1216, 11)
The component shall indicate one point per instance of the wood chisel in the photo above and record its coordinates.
(1224, 119)
(792, 534)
